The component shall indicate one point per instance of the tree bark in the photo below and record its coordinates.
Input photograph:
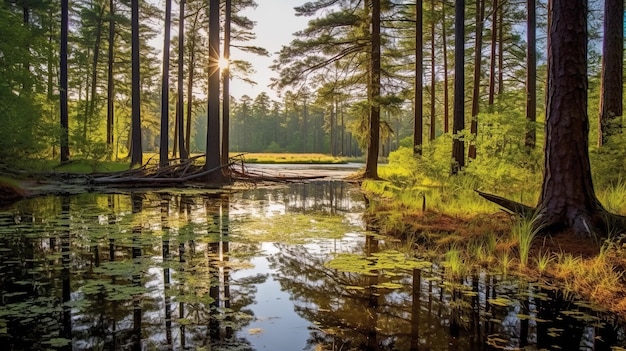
(181, 61)
(567, 198)
(433, 117)
(458, 146)
(492, 65)
(165, 87)
(531, 76)
(111, 80)
(612, 88)
(213, 159)
(136, 152)
(419, 91)
(501, 50)
(226, 93)
(65, 150)
(478, 48)
(446, 93)
(94, 67)
(371, 165)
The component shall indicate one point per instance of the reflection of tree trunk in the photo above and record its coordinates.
(181, 305)
(415, 309)
(371, 247)
(475, 337)
(213, 218)
(455, 328)
(165, 208)
(225, 228)
(137, 200)
(65, 271)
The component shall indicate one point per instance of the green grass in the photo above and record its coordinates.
(281, 158)
(524, 232)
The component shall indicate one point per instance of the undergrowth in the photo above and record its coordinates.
(445, 219)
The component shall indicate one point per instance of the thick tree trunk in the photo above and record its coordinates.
(478, 48)
(567, 195)
(213, 149)
(418, 122)
(612, 63)
(136, 152)
(226, 94)
(371, 165)
(531, 76)
(165, 88)
(458, 146)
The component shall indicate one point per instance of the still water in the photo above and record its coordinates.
(273, 268)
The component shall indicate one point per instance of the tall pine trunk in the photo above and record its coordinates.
(180, 103)
(94, 67)
(612, 75)
(432, 73)
(478, 48)
(567, 197)
(165, 87)
(531, 76)
(492, 64)
(65, 150)
(226, 93)
(110, 77)
(419, 113)
(136, 152)
(446, 85)
(458, 144)
(371, 165)
(213, 130)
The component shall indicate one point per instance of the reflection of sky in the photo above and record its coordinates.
(280, 327)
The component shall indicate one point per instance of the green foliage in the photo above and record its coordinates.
(274, 147)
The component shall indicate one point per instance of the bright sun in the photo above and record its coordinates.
(223, 63)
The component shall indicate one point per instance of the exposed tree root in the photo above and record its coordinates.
(509, 205)
(598, 223)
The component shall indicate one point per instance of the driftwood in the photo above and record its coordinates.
(156, 179)
(179, 171)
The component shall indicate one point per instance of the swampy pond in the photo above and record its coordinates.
(272, 268)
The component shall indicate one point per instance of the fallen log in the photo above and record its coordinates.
(160, 180)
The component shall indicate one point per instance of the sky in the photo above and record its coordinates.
(275, 23)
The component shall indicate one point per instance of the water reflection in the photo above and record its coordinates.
(282, 268)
